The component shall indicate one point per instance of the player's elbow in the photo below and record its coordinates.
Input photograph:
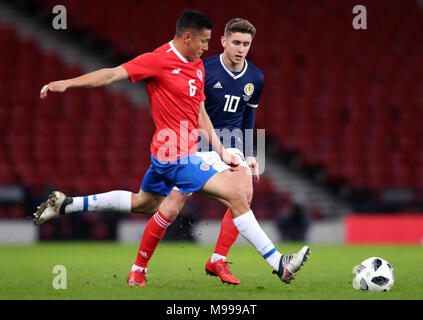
(112, 75)
(109, 76)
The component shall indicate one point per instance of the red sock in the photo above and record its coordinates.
(153, 233)
(227, 236)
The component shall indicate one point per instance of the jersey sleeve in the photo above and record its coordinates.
(147, 65)
(254, 100)
(248, 120)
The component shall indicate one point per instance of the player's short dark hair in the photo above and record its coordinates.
(191, 20)
(239, 25)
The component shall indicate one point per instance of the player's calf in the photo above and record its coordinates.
(145, 203)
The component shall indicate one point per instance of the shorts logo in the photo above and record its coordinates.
(204, 167)
(200, 75)
(249, 89)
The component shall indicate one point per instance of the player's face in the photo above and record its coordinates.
(198, 44)
(236, 46)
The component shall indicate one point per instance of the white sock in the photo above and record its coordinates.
(216, 257)
(250, 229)
(135, 267)
(113, 201)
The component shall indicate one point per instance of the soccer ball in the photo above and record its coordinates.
(374, 274)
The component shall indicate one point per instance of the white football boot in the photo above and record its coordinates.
(289, 265)
(52, 208)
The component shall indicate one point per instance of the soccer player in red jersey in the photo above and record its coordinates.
(174, 75)
(233, 88)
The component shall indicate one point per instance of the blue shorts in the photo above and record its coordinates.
(188, 173)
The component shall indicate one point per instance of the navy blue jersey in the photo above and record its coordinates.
(230, 96)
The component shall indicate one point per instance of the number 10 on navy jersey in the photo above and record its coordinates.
(231, 103)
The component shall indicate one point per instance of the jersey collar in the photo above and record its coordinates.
(229, 71)
(172, 47)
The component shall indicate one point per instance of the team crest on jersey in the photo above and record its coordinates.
(200, 75)
(204, 167)
(249, 89)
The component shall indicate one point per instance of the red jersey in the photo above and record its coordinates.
(175, 89)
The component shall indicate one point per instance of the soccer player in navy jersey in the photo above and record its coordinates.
(233, 87)
(174, 76)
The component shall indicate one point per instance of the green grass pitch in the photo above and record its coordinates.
(97, 270)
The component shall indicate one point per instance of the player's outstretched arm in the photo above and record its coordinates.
(205, 124)
(99, 78)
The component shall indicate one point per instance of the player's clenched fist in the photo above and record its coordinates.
(56, 86)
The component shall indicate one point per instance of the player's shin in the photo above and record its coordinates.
(154, 231)
(227, 237)
(113, 201)
(250, 229)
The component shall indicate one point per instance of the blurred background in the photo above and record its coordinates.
(342, 109)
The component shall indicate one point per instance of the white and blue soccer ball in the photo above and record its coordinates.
(374, 274)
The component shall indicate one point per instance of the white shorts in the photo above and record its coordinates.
(213, 159)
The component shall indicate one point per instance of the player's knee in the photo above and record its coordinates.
(237, 197)
(170, 213)
(173, 204)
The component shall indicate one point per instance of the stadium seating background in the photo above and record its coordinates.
(347, 102)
